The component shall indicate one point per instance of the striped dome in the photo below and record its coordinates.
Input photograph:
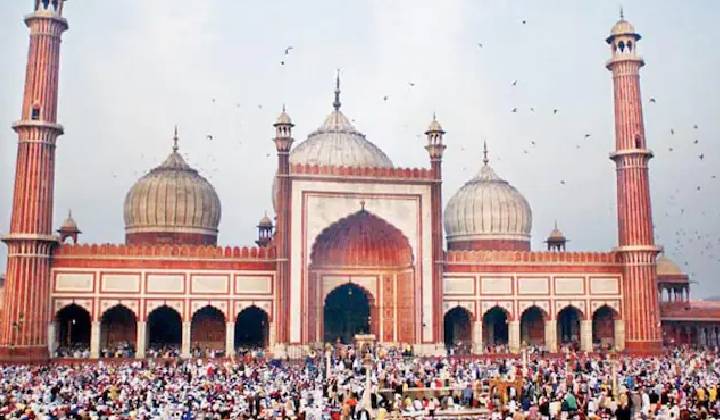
(488, 213)
(172, 204)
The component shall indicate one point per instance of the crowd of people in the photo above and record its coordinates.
(343, 382)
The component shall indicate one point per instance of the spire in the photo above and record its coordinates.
(485, 154)
(336, 103)
(175, 147)
(622, 14)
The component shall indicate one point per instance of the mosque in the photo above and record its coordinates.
(358, 246)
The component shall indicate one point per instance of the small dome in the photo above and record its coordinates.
(556, 235)
(666, 267)
(172, 204)
(488, 213)
(69, 224)
(283, 118)
(361, 239)
(265, 222)
(434, 126)
(622, 27)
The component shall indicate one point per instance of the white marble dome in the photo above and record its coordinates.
(172, 199)
(338, 143)
(487, 208)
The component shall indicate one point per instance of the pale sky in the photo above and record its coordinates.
(132, 69)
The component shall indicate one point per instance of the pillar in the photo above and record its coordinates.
(551, 335)
(185, 347)
(636, 247)
(95, 339)
(141, 339)
(271, 334)
(619, 335)
(586, 343)
(30, 241)
(477, 336)
(52, 338)
(229, 339)
(514, 336)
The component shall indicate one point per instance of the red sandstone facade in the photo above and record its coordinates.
(352, 233)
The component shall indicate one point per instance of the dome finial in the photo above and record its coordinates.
(336, 103)
(485, 154)
(362, 205)
(175, 147)
(622, 14)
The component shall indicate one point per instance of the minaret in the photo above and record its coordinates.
(435, 148)
(24, 326)
(283, 142)
(635, 226)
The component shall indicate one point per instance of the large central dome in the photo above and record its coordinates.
(338, 143)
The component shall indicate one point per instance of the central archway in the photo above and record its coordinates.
(346, 313)
(374, 256)
(118, 332)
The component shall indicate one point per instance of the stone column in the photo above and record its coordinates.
(477, 337)
(619, 335)
(551, 336)
(52, 338)
(586, 343)
(229, 339)
(185, 348)
(271, 334)
(514, 336)
(141, 340)
(94, 339)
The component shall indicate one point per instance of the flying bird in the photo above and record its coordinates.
(696, 141)
(653, 100)
(514, 110)
(411, 84)
(695, 126)
(210, 137)
(562, 181)
(282, 62)
(672, 131)
(287, 50)
(524, 21)
(514, 83)
(587, 136)
(555, 111)
(386, 97)
(701, 156)
(480, 44)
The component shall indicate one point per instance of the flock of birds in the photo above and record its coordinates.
(684, 238)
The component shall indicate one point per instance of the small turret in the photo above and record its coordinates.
(69, 229)
(265, 231)
(556, 241)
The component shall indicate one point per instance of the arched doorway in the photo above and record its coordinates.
(365, 247)
(207, 331)
(73, 329)
(164, 329)
(532, 327)
(118, 332)
(603, 327)
(251, 328)
(495, 327)
(458, 328)
(346, 313)
(568, 327)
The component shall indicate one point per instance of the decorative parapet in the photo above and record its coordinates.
(168, 251)
(345, 171)
(530, 257)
